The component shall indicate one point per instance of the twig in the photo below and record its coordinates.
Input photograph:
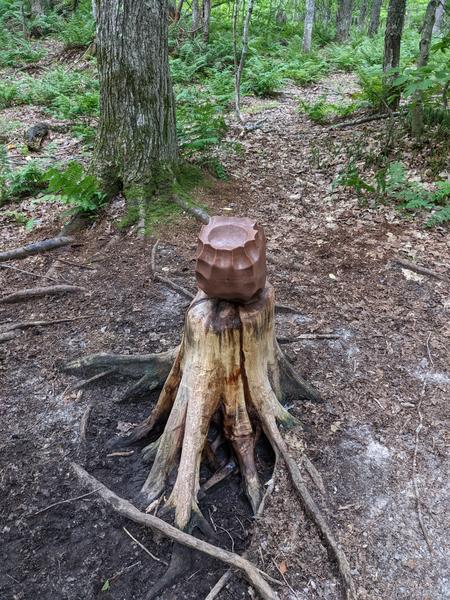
(283, 308)
(416, 487)
(418, 269)
(29, 273)
(35, 248)
(285, 580)
(72, 263)
(157, 277)
(221, 583)
(38, 292)
(84, 423)
(126, 509)
(28, 324)
(363, 120)
(64, 502)
(144, 548)
(308, 336)
(428, 349)
(86, 382)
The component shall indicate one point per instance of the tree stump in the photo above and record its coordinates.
(227, 365)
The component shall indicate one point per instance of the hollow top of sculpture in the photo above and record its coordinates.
(231, 258)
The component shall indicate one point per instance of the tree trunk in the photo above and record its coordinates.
(206, 19)
(195, 17)
(424, 52)
(392, 43)
(343, 20)
(362, 14)
(227, 364)
(136, 145)
(375, 17)
(36, 8)
(308, 28)
(239, 66)
(440, 11)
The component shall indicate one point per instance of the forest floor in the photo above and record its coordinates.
(385, 381)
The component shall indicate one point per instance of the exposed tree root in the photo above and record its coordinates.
(39, 292)
(35, 248)
(126, 509)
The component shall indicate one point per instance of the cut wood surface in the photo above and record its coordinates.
(35, 248)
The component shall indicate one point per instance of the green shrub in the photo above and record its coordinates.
(78, 31)
(20, 183)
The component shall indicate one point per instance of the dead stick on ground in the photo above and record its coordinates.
(418, 269)
(35, 248)
(363, 120)
(308, 336)
(28, 324)
(84, 423)
(86, 382)
(126, 509)
(157, 277)
(64, 502)
(39, 292)
(29, 273)
(144, 548)
(416, 487)
(75, 264)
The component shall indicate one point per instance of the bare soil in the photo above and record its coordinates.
(385, 381)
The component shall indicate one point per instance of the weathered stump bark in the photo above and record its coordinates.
(227, 363)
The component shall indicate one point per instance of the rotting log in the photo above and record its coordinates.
(35, 248)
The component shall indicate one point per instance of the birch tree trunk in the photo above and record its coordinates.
(36, 8)
(425, 42)
(440, 11)
(239, 66)
(343, 20)
(375, 17)
(308, 28)
(392, 43)
(136, 145)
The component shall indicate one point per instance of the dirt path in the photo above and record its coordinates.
(330, 258)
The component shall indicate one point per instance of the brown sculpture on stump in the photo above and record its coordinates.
(228, 369)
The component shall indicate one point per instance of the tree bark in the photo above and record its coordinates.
(239, 67)
(424, 52)
(195, 17)
(206, 19)
(362, 14)
(37, 8)
(136, 145)
(440, 11)
(392, 44)
(375, 17)
(343, 20)
(308, 27)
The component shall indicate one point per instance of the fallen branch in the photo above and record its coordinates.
(416, 487)
(283, 308)
(126, 509)
(29, 273)
(84, 423)
(72, 263)
(35, 248)
(38, 292)
(363, 120)
(418, 269)
(195, 211)
(28, 324)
